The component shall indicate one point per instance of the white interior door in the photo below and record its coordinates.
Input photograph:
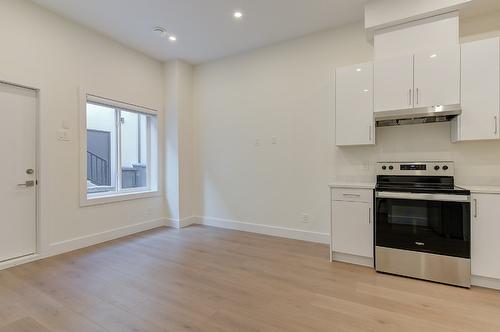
(18, 154)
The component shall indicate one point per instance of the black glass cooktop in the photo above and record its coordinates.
(419, 184)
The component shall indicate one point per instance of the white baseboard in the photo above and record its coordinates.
(19, 261)
(92, 239)
(289, 233)
(181, 223)
(485, 282)
(352, 259)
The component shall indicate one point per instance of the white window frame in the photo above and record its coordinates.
(152, 189)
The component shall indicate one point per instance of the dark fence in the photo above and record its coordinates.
(98, 170)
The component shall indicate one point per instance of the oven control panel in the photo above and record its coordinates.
(424, 168)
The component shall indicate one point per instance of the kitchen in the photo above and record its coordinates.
(326, 165)
(425, 86)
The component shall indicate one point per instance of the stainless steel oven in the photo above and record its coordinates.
(422, 222)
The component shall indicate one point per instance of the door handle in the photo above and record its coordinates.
(351, 195)
(496, 124)
(30, 183)
(475, 207)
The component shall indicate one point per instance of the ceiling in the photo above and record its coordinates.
(206, 29)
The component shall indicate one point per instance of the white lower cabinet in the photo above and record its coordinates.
(352, 225)
(485, 246)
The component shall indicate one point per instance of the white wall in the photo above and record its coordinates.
(179, 143)
(42, 50)
(286, 91)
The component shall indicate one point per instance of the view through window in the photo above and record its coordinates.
(120, 150)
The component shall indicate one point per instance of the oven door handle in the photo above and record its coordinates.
(423, 197)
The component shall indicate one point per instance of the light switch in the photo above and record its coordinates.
(63, 135)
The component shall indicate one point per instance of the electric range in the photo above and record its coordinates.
(422, 222)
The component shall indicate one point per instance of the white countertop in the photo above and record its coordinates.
(481, 189)
(371, 185)
(354, 185)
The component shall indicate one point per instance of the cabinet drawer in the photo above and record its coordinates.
(352, 195)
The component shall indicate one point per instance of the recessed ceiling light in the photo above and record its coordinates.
(433, 55)
(238, 14)
(162, 32)
(172, 38)
(358, 69)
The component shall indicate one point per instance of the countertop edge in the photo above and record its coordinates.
(481, 189)
(353, 185)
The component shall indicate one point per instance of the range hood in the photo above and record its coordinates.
(438, 113)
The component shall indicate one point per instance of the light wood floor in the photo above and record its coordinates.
(209, 279)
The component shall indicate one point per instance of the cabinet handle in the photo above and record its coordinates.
(370, 133)
(369, 215)
(409, 97)
(475, 207)
(417, 95)
(351, 195)
(496, 124)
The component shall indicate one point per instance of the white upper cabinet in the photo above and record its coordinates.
(393, 84)
(480, 76)
(354, 123)
(421, 80)
(437, 77)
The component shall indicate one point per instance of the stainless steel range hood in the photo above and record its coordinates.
(438, 113)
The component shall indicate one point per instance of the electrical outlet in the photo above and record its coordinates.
(274, 140)
(305, 218)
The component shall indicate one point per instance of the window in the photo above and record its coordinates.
(121, 149)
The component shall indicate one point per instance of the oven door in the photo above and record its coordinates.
(432, 223)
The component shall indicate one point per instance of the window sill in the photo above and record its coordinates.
(117, 197)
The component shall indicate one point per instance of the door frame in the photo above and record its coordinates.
(38, 226)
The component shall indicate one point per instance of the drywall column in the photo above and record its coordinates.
(179, 142)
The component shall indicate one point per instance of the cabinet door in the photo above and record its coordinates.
(480, 90)
(393, 84)
(354, 123)
(437, 77)
(485, 247)
(352, 228)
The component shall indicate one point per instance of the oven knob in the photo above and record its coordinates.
(384, 167)
(391, 168)
(436, 168)
(445, 168)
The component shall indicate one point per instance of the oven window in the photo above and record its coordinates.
(428, 226)
(410, 213)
